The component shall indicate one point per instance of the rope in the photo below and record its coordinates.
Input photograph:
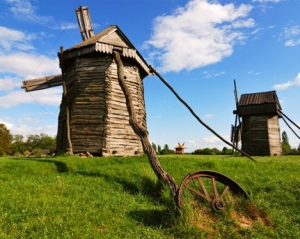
(193, 113)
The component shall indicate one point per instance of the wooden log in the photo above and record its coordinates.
(42, 83)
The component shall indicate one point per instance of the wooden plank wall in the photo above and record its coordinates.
(255, 135)
(261, 135)
(120, 137)
(274, 136)
(99, 118)
(88, 105)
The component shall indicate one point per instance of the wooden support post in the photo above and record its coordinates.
(142, 131)
(70, 149)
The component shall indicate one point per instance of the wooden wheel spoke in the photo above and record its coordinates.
(214, 184)
(198, 193)
(205, 184)
(202, 186)
(225, 191)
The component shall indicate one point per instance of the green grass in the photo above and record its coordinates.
(71, 197)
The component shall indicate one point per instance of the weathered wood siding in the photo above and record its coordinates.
(263, 109)
(120, 137)
(260, 135)
(255, 135)
(274, 136)
(99, 120)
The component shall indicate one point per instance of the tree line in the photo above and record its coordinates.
(165, 150)
(19, 145)
(44, 144)
(286, 148)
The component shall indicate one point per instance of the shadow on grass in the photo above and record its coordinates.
(60, 166)
(153, 218)
(148, 187)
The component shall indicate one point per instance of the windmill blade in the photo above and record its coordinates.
(237, 118)
(42, 83)
(235, 94)
(84, 22)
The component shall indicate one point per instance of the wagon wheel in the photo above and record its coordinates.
(209, 186)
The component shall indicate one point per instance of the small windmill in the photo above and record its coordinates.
(93, 115)
(236, 128)
(179, 149)
(259, 130)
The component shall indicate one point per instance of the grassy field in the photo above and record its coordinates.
(71, 197)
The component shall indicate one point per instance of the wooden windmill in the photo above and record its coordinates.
(258, 115)
(93, 115)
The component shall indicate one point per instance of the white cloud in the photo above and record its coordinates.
(253, 72)
(24, 11)
(212, 74)
(32, 130)
(29, 120)
(9, 84)
(210, 139)
(292, 35)
(16, 60)
(292, 42)
(11, 39)
(7, 124)
(66, 26)
(265, 1)
(291, 31)
(50, 96)
(185, 40)
(208, 116)
(28, 64)
(288, 84)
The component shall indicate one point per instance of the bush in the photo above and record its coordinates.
(37, 152)
(2, 154)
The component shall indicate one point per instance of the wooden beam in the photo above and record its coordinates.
(42, 83)
(70, 149)
(84, 22)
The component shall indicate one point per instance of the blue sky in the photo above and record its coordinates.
(198, 46)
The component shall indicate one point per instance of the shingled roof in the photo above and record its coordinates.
(108, 40)
(259, 103)
(259, 98)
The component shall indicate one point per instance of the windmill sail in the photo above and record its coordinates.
(84, 22)
(42, 83)
(86, 30)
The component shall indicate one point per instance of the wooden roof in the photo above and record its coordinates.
(259, 103)
(108, 40)
(180, 146)
(259, 98)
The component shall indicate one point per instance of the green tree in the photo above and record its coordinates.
(226, 151)
(18, 144)
(286, 147)
(158, 149)
(205, 151)
(216, 151)
(42, 141)
(32, 142)
(166, 150)
(154, 146)
(47, 142)
(5, 140)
